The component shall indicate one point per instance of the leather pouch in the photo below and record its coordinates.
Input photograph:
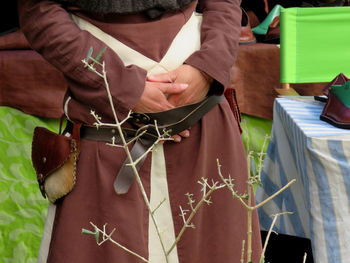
(54, 157)
(230, 95)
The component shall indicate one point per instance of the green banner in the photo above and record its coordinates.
(315, 44)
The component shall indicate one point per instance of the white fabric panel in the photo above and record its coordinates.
(46, 239)
(163, 216)
(183, 45)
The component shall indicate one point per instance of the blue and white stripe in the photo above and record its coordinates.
(313, 152)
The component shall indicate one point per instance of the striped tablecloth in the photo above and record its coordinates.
(318, 156)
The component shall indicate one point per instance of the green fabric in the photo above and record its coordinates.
(315, 44)
(342, 92)
(255, 130)
(22, 207)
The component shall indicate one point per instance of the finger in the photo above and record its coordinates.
(152, 100)
(177, 138)
(185, 133)
(169, 88)
(164, 77)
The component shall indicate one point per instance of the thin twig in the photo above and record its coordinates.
(159, 205)
(190, 200)
(263, 202)
(261, 154)
(305, 256)
(108, 237)
(275, 194)
(242, 254)
(92, 68)
(135, 162)
(275, 216)
(230, 187)
(193, 213)
(249, 215)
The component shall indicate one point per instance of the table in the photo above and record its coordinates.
(315, 153)
(255, 76)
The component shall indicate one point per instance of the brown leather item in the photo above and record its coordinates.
(340, 79)
(230, 95)
(247, 36)
(54, 158)
(336, 113)
(273, 32)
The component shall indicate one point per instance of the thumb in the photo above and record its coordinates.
(164, 77)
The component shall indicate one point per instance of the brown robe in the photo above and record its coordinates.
(220, 227)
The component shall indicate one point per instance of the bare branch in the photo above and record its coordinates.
(275, 194)
(191, 201)
(204, 199)
(305, 256)
(108, 237)
(229, 183)
(117, 125)
(261, 156)
(242, 254)
(159, 205)
(275, 216)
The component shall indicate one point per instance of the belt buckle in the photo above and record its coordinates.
(140, 118)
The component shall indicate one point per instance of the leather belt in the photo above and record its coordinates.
(172, 122)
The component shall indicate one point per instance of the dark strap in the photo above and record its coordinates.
(175, 120)
(172, 121)
(126, 175)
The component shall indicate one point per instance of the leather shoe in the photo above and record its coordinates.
(273, 33)
(337, 109)
(263, 27)
(246, 37)
(340, 79)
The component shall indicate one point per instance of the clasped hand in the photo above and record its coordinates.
(182, 86)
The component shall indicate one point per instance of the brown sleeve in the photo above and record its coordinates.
(219, 39)
(52, 33)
